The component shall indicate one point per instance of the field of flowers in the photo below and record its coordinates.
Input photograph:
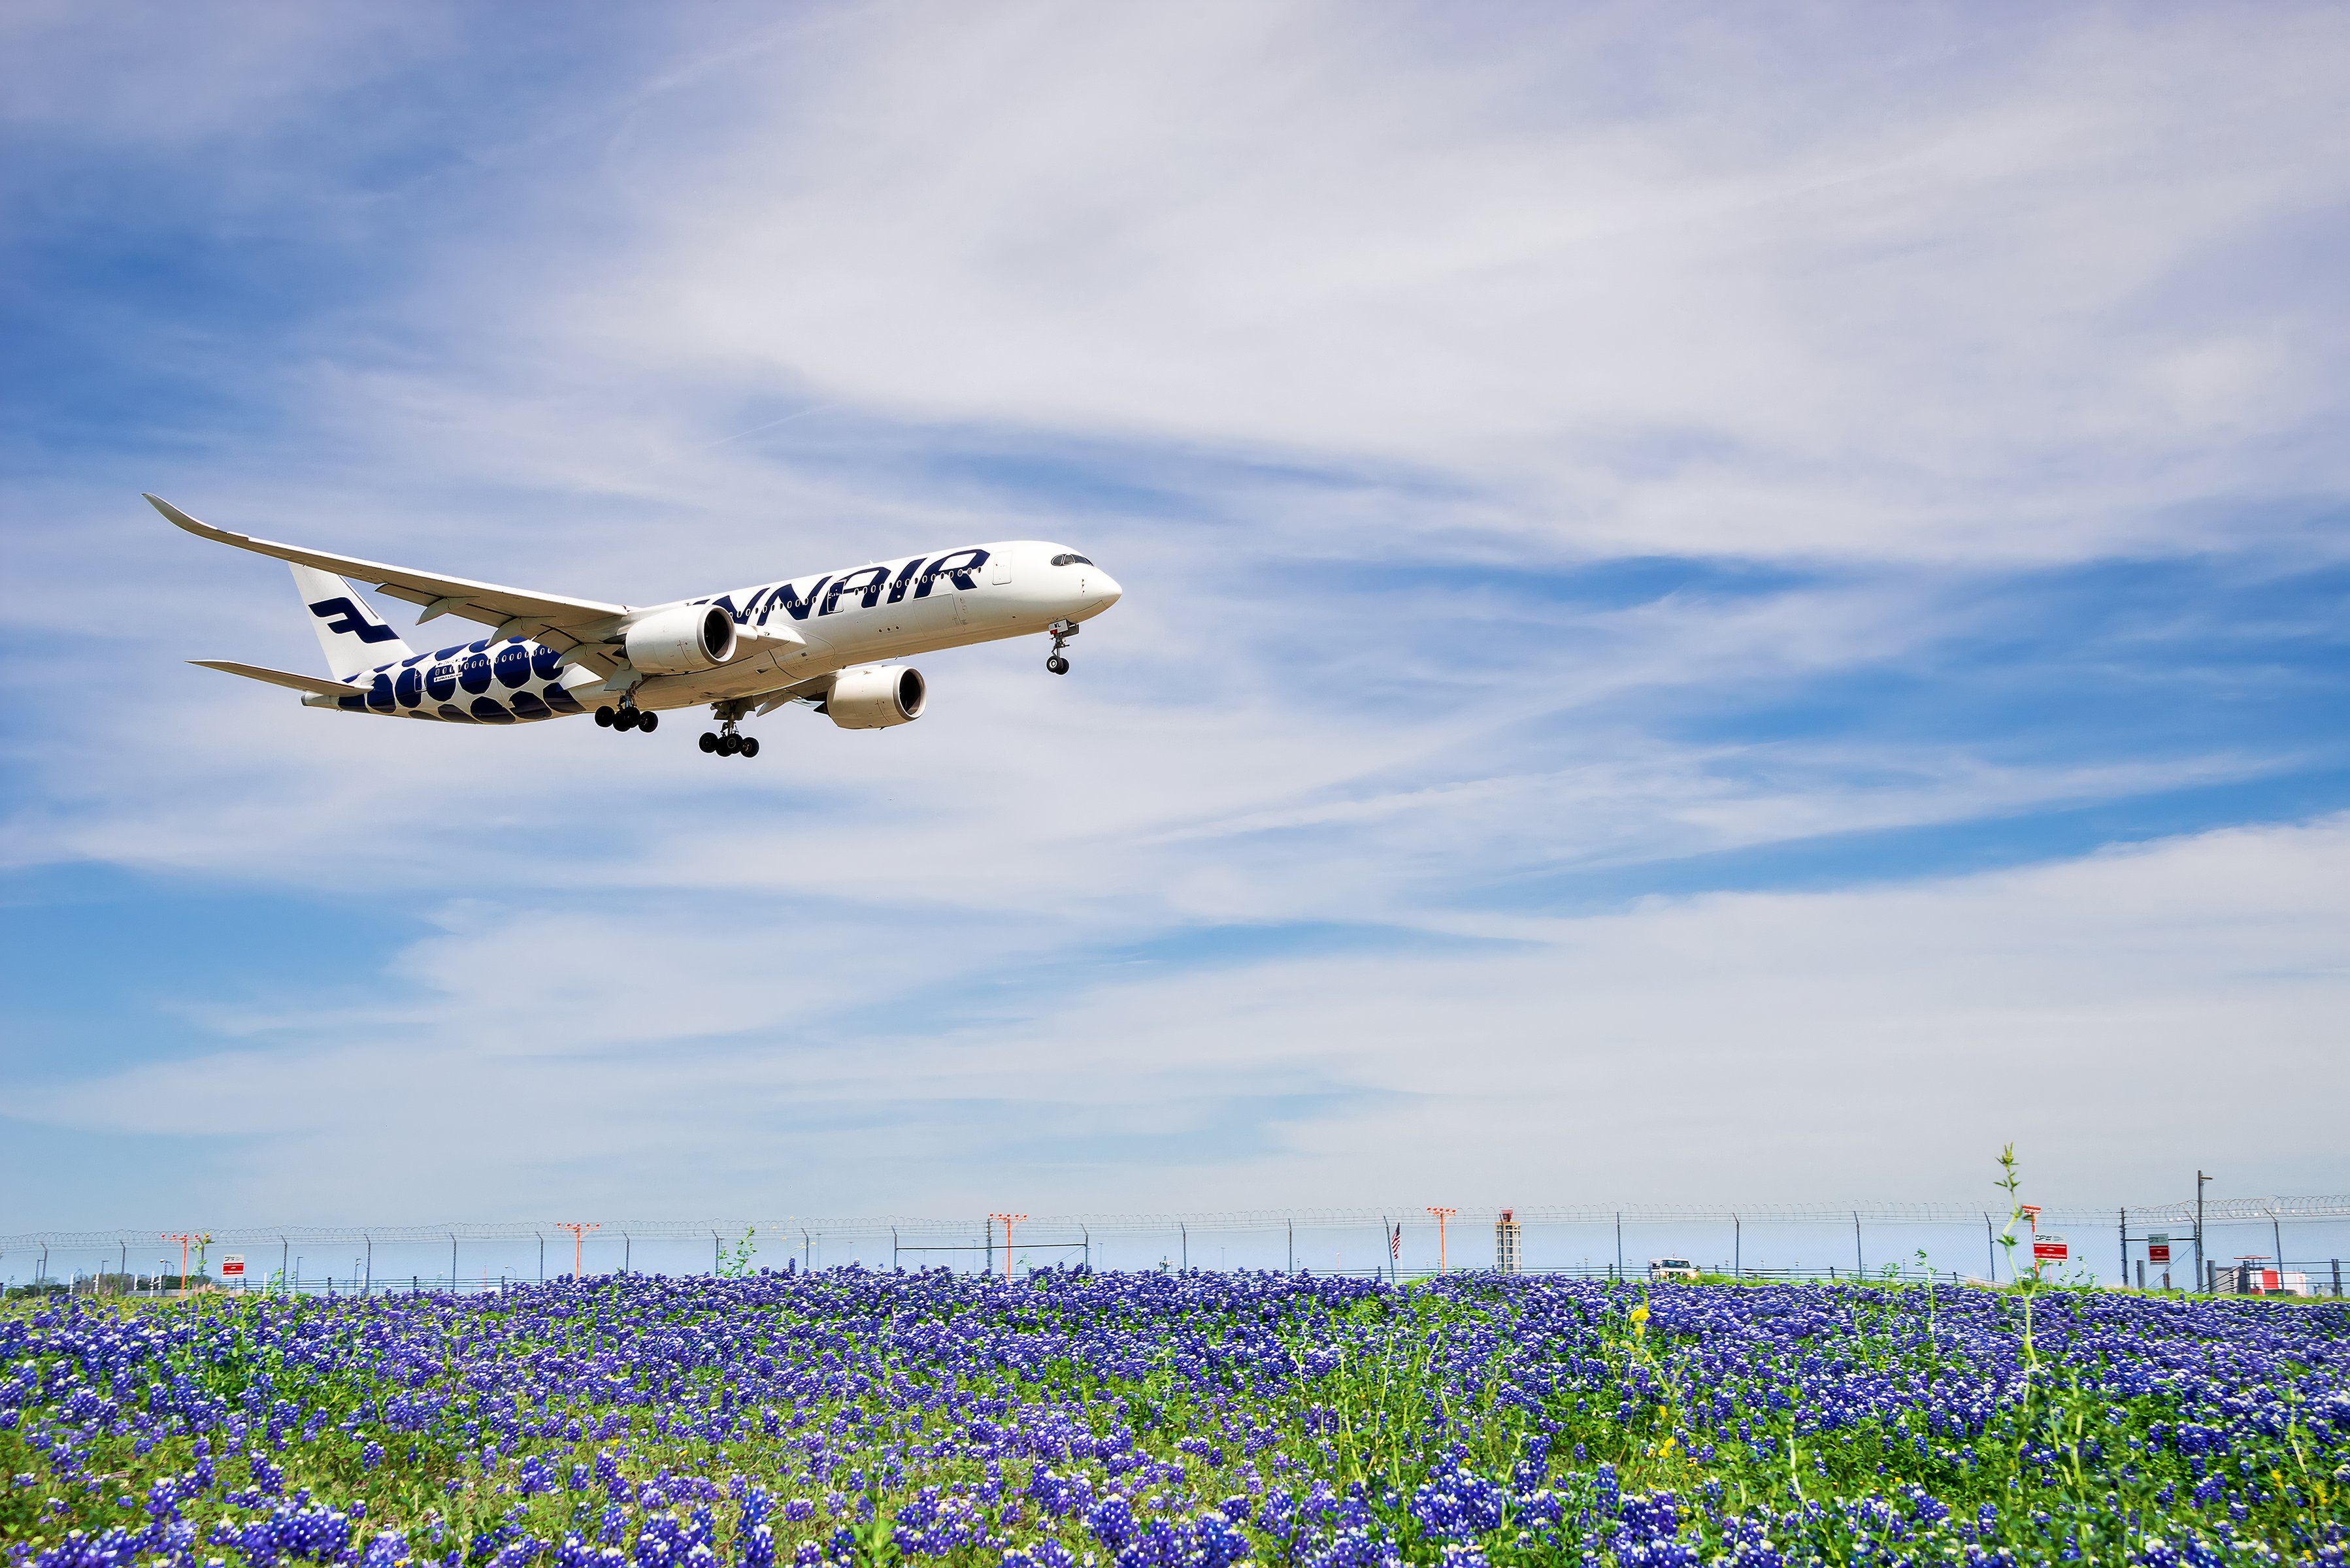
(1153, 1420)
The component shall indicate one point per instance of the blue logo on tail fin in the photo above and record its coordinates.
(353, 620)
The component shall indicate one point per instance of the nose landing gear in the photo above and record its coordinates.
(1062, 631)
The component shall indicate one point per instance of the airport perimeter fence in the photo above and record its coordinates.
(2235, 1250)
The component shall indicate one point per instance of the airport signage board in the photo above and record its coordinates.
(233, 1266)
(2158, 1251)
(2048, 1250)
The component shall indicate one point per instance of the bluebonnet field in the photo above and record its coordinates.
(1150, 1419)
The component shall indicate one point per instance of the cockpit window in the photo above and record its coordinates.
(1066, 559)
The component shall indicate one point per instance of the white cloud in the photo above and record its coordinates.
(2112, 1014)
(1662, 287)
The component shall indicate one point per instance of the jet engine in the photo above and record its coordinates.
(684, 640)
(876, 697)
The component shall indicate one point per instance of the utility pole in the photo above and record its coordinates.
(2199, 1272)
(1442, 1216)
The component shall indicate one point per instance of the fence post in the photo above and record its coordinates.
(2277, 1232)
(2126, 1250)
(1185, 1231)
(893, 1248)
(452, 1264)
(542, 1255)
(1088, 1235)
(1292, 1246)
(1619, 1243)
(2337, 1279)
(1859, 1263)
(369, 1286)
(1991, 1249)
(1737, 1246)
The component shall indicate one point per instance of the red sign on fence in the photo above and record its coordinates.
(2048, 1249)
(233, 1266)
(2157, 1252)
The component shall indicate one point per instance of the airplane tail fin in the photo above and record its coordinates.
(352, 635)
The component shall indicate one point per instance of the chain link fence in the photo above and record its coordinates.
(2136, 1246)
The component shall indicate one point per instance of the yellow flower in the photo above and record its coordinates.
(1640, 1312)
(1665, 1448)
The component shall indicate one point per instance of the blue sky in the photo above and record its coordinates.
(1738, 607)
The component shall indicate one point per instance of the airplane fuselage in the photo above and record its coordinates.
(792, 631)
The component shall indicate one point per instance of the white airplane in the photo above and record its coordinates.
(822, 640)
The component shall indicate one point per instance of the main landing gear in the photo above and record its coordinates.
(1062, 631)
(627, 716)
(725, 742)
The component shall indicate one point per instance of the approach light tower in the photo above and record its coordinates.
(1442, 1216)
(579, 1230)
(1506, 1242)
(183, 1238)
(1009, 1221)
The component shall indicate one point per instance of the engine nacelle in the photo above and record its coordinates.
(685, 641)
(876, 697)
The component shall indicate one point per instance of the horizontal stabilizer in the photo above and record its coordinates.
(317, 685)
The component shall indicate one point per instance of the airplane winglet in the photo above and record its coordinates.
(181, 519)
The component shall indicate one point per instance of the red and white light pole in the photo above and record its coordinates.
(578, 1231)
(182, 1238)
(1008, 1219)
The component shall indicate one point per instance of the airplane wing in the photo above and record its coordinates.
(550, 618)
(317, 685)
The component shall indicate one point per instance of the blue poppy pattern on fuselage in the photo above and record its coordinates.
(519, 681)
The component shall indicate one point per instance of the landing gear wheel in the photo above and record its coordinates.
(648, 722)
(625, 719)
(604, 718)
(728, 740)
(1062, 631)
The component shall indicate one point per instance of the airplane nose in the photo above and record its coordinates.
(1106, 591)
